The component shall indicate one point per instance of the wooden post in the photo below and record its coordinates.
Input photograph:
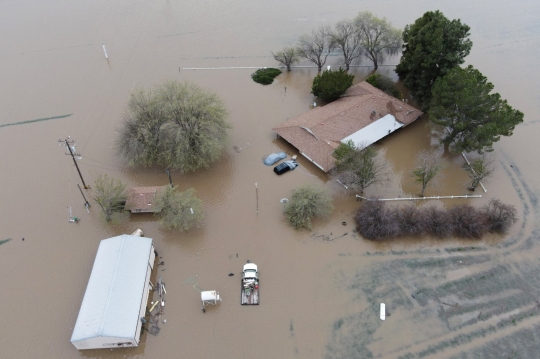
(86, 204)
(257, 197)
(170, 180)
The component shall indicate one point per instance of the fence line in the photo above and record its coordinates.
(463, 154)
(419, 198)
(261, 67)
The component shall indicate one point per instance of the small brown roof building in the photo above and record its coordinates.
(364, 115)
(141, 199)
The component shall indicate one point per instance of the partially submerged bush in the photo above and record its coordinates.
(383, 83)
(374, 221)
(330, 85)
(410, 221)
(178, 211)
(265, 76)
(468, 222)
(499, 216)
(110, 194)
(308, 202)
(436, 222)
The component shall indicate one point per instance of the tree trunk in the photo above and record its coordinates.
(288, 67)
(474, 184)
(446, 147)
(376, 64)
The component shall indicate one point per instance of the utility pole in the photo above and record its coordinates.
(170, 180)
(86, 204)
(67, 142)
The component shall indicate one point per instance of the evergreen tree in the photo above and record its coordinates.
(433, 45)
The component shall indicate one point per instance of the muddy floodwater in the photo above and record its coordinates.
(321, 289)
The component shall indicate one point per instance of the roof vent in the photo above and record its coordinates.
(373, 112)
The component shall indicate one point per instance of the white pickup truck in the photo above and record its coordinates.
(250, 284)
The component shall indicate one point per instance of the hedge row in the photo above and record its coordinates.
(375, 221)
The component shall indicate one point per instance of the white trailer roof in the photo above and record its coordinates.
(112, 301)
(374, 131)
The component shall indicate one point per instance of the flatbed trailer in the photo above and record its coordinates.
(250, 285)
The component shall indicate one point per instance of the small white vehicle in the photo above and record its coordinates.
(250, 284)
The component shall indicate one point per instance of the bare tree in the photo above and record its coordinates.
(359, 167)
(177, 125)
(379, 39)
(110, 194)
(481, 168)
(375, 221)
(306, 203)
(287, 57)
(317, 46)
(499, 216)
(178, 210)
(428, 165)
(348, 41)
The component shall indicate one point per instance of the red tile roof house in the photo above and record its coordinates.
(141, 199)
(364, 115)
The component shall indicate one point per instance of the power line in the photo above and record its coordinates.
(122, 169)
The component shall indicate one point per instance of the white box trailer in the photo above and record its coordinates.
(117, 294)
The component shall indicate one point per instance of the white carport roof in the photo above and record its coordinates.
(112, 301)
(374, 131)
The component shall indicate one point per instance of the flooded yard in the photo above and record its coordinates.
(321, 289)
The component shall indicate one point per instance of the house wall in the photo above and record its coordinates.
(145, 294)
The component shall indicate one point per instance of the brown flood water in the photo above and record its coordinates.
(320, 290)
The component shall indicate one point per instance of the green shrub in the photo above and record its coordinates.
(308, 202)
(383, 83)
(330, 85)
(265, 76)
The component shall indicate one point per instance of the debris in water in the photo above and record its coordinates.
(231, 274)
(204, 310)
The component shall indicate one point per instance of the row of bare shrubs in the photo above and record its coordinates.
(375, 221)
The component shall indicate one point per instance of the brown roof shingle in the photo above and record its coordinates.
(318, 132)
(141, 199)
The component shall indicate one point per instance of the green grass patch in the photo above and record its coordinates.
(265, 76)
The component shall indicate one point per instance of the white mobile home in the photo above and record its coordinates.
(116, 296)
